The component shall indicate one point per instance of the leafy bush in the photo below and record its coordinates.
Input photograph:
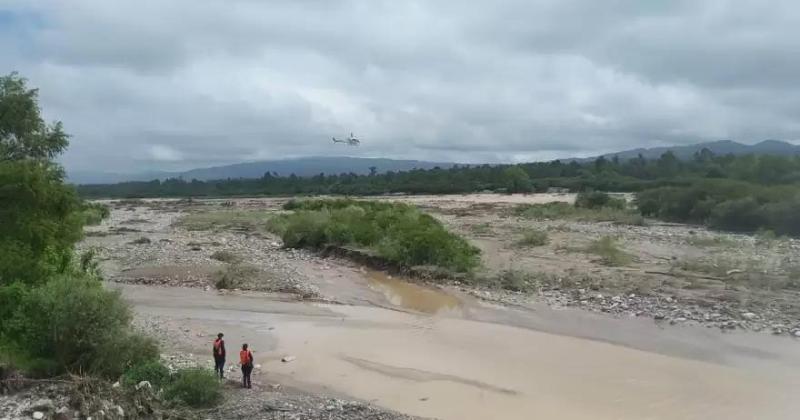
(234, 275)
(73, 324)
(533, 237)
(597, 199)
(397, 232)
(94, 213)
(726, 204)
(152, 371)
(607, 249)
(195, 387)
(39, 222)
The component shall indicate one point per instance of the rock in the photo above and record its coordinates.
(734, 271)
(116, 385)
(144, 384)
(658, 317)
(120, 412)
(748, 315)
(796, 333)
(43, 404)
(257, 367)
(287, 359)
(274, 387)
(38, 415)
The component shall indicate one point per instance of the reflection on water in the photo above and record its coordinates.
(412, 296)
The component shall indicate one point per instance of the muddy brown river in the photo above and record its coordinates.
(437, 355)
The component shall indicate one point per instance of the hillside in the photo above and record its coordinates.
(303, 167)
(722, 147)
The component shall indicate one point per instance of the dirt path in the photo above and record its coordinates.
(455, 368)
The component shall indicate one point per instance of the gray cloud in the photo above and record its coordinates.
(149, 84)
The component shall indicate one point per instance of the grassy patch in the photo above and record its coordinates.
(533, 237)
(609, 252)
(226, 256)
(558, 210)
(397, 232)
(711, 241)
(220, 220)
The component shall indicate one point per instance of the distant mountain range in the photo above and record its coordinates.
(722, 147)
(301, 167)
(336, 165)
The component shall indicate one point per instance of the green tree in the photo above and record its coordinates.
(39, 213)
(23, 132)
(517, 180)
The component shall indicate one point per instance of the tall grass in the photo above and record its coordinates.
(397, 232)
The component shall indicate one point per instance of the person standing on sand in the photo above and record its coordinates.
(246, 360)
(219, 356)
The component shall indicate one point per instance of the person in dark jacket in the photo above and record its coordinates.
(219, 356)
(246, 360)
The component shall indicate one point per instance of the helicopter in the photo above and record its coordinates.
(350, 141)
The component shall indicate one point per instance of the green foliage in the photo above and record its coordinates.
(23, 133)
(41, 221)
(609, 252)
(727, 205)
(517, 180)
(397, 232)
(152, 371)
(94, 213)
(533, 237)
(195, 387)
(598, 199)
(73, 324)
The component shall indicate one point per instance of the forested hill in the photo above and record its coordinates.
(308, 166)
(602, 174)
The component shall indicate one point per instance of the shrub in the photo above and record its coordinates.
(73, 324)
(397, 232)
(195, 387)
(533, 237)
(234, 275)
(597, 199)
(742, 214)
(143, 240)
(226, 256)
(608, 251)
(152, 371)
(94, 213)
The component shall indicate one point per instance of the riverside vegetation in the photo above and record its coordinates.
(58, 319)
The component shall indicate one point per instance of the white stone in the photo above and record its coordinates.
(144, 384)
(748, 315)
(287, 359)
(38, 415)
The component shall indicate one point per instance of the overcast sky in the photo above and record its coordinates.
(152, 84)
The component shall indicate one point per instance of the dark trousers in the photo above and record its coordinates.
(246, 371)
(219, 366)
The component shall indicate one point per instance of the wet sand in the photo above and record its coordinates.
(453, 367)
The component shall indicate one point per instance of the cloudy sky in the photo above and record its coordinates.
(152, 84)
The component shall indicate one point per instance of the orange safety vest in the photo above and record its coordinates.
(245, 357)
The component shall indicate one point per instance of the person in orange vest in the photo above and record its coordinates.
(246, 360)
(219, 356)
